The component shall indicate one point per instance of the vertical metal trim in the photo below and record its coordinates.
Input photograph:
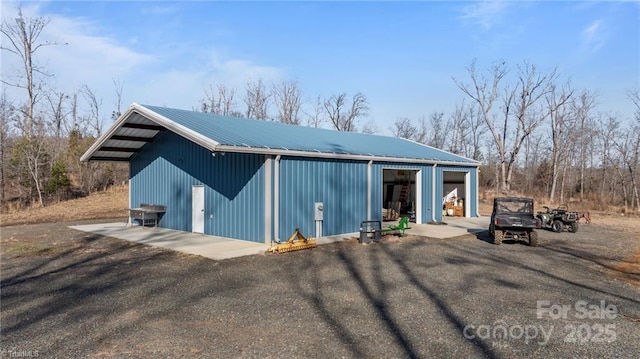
(419, 197)
(433, 189)
(276, 199)
(130, 199)
(467, 189)
(369, 185)
(267, 199)
(477, 192)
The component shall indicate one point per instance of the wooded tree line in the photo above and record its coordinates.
(536, 134)
(44, 132)
(284, 102)
(533, 132)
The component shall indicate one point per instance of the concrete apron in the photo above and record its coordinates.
(193, 243)
(222, 248)
(454, 227)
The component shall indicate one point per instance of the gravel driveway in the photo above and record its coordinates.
(69, 294)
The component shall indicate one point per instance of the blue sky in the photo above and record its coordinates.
(401, 55)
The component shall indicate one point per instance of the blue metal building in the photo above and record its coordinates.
(258, 181)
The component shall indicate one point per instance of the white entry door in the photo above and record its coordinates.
(197, 209)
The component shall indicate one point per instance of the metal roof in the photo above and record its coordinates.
(141, 123)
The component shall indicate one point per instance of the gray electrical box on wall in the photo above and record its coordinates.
(318, 210)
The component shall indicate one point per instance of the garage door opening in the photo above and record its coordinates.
(400, 194)
(456, 189)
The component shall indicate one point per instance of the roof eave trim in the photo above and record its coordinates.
(227, 148)
(437, 149)
(183, 131)
(157, 118)
(105, 137)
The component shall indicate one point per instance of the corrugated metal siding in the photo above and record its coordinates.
(427, 194)
(165, 171)
(244, 133)
(473, 196)
(340, 185)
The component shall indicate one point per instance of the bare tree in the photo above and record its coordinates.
(627, 147)
(257, 100)
(485, 92)
(56, 101)
(226, 95)
(22, 41)
(521, 112)
(437, 136)
(582, 108)
(634, 96)
(404, 128)
(95, 104)
(476, 129)
(58, 124)
(30, 153)
(343, 116)
(6, 116)
(288, 99)
(118, 85)
(607, 131)
(21, 38)
(422, 131)
(562, 130)
(369, 128)
(220, 101)
(315, 117)
(459, 131)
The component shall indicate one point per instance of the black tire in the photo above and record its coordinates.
(498, 237)
(573, 227)
(557, 226)
(533, 239)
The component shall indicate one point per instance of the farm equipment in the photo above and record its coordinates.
(402, 226)
(512, 218)
(295, 242)
(557, 219)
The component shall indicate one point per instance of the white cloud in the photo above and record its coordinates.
(183, 88)
(169, 76)
(485, 13)
(80, 57)
(593, 37)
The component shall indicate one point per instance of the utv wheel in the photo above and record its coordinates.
(557, 226)
(498, 237)
(573, 227)
(533, 239)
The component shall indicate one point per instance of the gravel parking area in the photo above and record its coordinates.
(72, 294)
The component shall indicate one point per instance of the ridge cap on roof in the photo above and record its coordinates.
(276, 123)
(339, 140)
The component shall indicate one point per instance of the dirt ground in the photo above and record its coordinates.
(110, 204)
(72, 294)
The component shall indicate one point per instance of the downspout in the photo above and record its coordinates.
(433, 196)
(369, 190)
(477, 191)
(276, 199)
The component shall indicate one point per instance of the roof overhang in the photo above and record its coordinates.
(140, 125)
(132, 130)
